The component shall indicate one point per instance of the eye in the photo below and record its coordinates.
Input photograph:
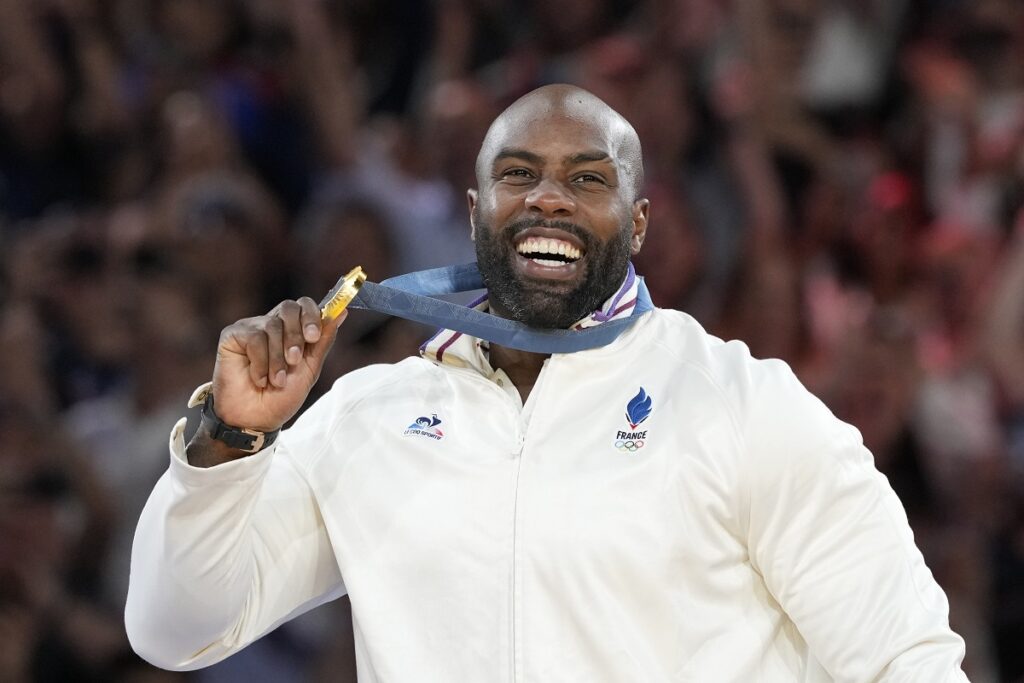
(518, 173)
(588, 178)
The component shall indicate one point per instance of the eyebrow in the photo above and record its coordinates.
(584, 157)
(580, 158)
(513, 153)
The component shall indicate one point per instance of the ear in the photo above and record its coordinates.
(641, 209)
(471, 199)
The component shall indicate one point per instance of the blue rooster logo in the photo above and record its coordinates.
(638, 409)
(425, 422)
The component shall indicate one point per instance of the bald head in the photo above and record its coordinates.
(561, 101)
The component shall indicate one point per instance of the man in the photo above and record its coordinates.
(661, 508)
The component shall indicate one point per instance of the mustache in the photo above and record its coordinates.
(515, 227)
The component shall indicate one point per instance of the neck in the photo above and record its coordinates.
(522, 367)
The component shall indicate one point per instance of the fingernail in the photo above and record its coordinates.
(293, 355)
(312, 332)
(280, 378)
(262, 381)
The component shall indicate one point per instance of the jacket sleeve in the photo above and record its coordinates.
(832, 542)
(223, 555)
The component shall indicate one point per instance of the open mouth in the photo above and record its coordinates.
(549, 252)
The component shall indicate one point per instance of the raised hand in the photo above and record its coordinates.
(267, 365)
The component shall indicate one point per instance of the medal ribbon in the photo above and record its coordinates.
(410, 296)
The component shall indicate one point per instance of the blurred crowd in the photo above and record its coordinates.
(839, 183)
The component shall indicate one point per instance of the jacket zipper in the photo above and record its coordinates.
(517, 456)
(513, 603)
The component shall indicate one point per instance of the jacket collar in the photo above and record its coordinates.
(456, 349)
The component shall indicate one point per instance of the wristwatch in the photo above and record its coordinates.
(248, 440)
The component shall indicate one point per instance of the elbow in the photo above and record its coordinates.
(153, 639)
(148, 644)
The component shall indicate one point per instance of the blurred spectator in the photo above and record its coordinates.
(123, 430)
(53, 534)
(840, 184)
(63, 270)
(228, 236)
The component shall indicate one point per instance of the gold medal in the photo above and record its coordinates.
(341, 294)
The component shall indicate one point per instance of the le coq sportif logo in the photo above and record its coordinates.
(426, 426)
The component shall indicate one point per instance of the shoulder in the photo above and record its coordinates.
(365, 389)
(727, 364)
(369, 385)
(771, 407)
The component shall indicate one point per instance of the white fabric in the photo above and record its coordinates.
(750, 539)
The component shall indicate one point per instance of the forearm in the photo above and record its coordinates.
(832, 542)
(202, 541)
(761, 189)
(204, 451)
(328, 73)
(24, 52)
(848, 575)
(191, 566)
(1004, 328)
(100, 100)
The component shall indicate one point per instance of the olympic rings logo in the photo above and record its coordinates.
(629, 445)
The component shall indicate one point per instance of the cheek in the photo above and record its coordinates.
(514, 197)
(502, 203)
(612, 224)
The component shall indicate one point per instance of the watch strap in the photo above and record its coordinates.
(241, 438)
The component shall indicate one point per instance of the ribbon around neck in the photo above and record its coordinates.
(410, 296)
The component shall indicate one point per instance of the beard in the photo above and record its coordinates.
(542, 303)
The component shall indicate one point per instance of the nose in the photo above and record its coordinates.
(551, 199)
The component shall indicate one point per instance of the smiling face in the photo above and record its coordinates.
(555, 216)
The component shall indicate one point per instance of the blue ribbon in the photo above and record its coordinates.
(410, 297)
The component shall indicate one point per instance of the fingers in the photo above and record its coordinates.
(310, 318)
(276, 367)
(246, 339)
(292, 333)
(275, 343)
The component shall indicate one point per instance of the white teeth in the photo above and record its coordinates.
(549, 262)
(539, 245)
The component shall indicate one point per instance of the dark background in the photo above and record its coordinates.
(839, 183)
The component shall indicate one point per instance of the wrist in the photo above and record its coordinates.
(204, 451)
(217, 441)
(247, 439)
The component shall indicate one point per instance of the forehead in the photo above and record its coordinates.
(554, 131)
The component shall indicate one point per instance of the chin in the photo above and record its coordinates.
(543, 304)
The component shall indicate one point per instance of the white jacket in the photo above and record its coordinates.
(749, 538)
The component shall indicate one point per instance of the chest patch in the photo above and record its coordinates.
(630, 438)
(428, 427)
